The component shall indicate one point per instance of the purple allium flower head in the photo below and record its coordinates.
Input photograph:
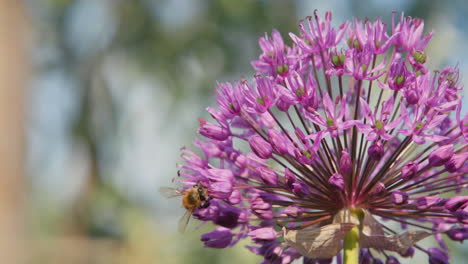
(344, 127)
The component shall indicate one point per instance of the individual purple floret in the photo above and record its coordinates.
(335, 132)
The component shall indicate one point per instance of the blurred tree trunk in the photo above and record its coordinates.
(13, 78)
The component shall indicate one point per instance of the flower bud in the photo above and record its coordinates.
(441, 155)
(282, 105)
(263, 233)
(241, 161)
(420, 57)
(293, 211)
(376, 150)
(261, 208)
(455, 203)
(458, 234)
(295, 185)
(345, 162)
(210, 149)
(221, 181)
(236, 197)
(365, 257)
(456, 162)
(409, 253)
(220, 190)
(278, 142)
(316, 260)
(409, 170)
(411, 96)
(193, 159)
(262, 148)
(221, 237)
(228, 216)
(379, 189)
(462, 215)
(438, 256)
(427, 202)
(392, 260)
(337, 181)
(399, 197)
(268, 176)
(224, 175)
(213, 131)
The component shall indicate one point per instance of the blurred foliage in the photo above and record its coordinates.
(215, 42)
(216, 39)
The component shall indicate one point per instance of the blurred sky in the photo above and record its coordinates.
(118, 85)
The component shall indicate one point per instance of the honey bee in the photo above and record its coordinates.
(194, 198)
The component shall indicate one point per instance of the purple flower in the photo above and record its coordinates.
(298, 91)
(455, 203)
(409, 253)
(260, 147)
(219, 238)
(438, 256)
(213, 131)
(263, 233)
(458, 234)
(427, 202)
(332, 121)
(418, 124)
(392, 260)
(337, 181)
(441, 155)
(399, 75)
(317, 144)
(378, 128)
(409, 170)
(376, 150)
(358, 64)
(373, 36)
(261, 98)
(280, 143)
(410, 31)
(399, 197)
(228, 216)
(319, 35)
(346, 164)
(275, 59)
(268, 176)
(456, 162)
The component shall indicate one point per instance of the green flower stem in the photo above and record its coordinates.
(351, 246)
(351, 241)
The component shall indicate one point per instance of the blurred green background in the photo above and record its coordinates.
(114, 92)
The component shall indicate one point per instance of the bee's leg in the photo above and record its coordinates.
(206, 203)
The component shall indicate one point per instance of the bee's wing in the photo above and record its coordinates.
(169, 192)
(184, 220)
